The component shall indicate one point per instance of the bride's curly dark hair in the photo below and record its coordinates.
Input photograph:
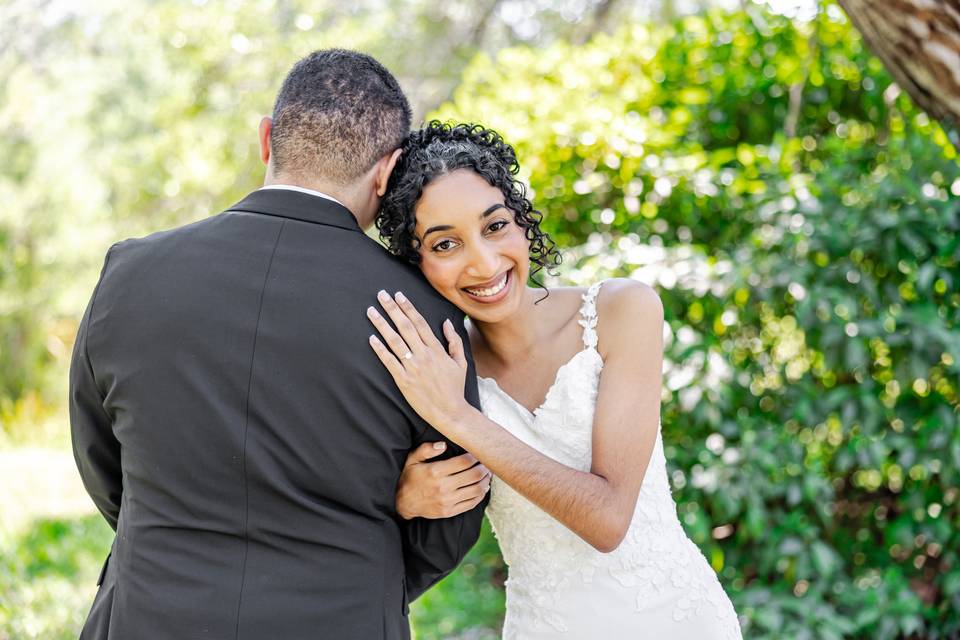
(439, 149)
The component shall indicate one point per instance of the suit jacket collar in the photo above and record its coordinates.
(285, 203)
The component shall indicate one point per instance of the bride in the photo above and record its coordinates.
(570, 384)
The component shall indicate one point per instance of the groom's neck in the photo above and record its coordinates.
(344, 196)
(347, 195)
(332, 190)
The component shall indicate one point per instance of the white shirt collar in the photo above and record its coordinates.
(291, 187)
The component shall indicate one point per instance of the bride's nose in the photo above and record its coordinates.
(484, 261)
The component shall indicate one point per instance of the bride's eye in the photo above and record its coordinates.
(497, 226)
(442, 246)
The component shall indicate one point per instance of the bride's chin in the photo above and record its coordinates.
(494, 313)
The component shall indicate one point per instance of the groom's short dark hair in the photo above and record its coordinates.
(337, 113)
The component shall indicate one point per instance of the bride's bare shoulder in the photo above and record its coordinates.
(627, 309)
(617, 295)
(627, 291)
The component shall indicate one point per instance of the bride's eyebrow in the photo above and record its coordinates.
(447, 227)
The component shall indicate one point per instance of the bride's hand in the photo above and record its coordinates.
(440, 489)
(430, 377)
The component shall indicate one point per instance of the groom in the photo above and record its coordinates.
(228, 417)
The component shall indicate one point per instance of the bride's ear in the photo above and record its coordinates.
(384, 168)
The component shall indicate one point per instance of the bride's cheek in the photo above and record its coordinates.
(429, 269)
(518, 241)
(437, 274)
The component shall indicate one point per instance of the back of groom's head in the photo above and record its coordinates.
(337, 113)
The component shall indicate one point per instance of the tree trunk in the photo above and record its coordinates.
(919, 43)
(597, 21)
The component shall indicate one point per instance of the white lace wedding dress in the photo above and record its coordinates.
(656, 584)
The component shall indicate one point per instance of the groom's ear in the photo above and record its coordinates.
(384, 169)
(266, 128)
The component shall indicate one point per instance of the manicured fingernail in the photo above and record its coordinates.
(439, 446)
(447, 323)
(400, 297)
(382, 295)
(373, 339)
(371, 311)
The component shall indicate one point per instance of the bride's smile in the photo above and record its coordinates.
(471, 249)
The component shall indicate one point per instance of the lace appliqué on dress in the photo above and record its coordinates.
(588, 315)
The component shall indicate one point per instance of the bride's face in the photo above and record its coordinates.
(471, 250)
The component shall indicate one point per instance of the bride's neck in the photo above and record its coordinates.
(513, 336)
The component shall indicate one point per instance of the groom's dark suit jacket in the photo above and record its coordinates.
(233, 425)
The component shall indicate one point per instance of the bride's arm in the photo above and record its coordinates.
(596, 505)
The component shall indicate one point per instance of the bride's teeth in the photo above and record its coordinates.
(483, 293)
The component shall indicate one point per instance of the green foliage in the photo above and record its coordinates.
(48, 576)
(797, 215)
(799, 219)
(469, 601)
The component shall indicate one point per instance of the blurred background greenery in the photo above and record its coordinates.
(750, 160)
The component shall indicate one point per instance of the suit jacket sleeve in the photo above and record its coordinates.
(95, 448)
(434, 547)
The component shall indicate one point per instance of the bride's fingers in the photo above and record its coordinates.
(455, 343)
(425, 452)
(470, 492)
(388, 359)
(423, 329)
(470, 476)
(407, 331)
(455, 465)
(396, 343)
(466, 505)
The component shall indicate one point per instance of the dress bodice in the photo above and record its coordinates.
(548, 562)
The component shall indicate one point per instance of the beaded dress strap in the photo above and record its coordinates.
(588, 315)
